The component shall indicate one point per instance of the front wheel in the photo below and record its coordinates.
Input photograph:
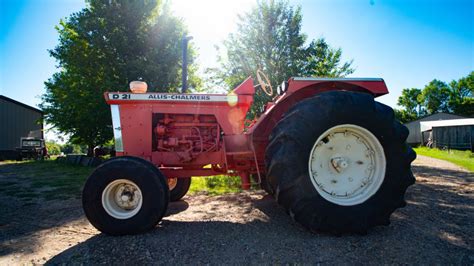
(178, 187)
(125, 195)
(338, 162)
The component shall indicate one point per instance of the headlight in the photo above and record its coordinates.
(283, 87)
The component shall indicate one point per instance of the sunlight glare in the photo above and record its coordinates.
(209, 22)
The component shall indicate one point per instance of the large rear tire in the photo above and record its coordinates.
(338, 162)
(125, 195)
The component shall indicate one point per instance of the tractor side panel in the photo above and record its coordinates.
(136, 130)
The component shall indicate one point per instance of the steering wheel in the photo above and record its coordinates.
(264, 83)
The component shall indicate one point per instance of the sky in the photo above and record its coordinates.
(407, 43)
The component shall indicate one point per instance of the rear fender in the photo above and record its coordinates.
(375, 86)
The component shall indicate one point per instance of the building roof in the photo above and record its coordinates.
(437, 116)
(21, 104)
(428, 125)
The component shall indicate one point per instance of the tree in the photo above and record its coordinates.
(404, 116)
(462, 95)
(464, 87)
(410, 101)
(435, 97)
(466, 107)
(324, 61)
(104, 47)
(70, 148)
(269, 38)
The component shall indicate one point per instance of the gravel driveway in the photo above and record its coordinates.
(436, 227)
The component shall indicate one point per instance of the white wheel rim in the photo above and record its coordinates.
(122, 199)
(172, 182)
(347, 165)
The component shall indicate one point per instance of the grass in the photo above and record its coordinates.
(47, 179)
(464, 159)
(215, 185)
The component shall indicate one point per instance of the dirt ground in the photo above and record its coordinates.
(436, 227)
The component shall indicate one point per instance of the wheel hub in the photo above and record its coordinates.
(172, 182)
(122, 199)
(127, 197)
(339, 163)
(347, 165)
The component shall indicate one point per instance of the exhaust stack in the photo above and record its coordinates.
(184, 44)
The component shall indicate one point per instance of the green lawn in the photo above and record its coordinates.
(464, 159)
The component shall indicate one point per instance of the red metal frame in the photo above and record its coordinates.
(204, 134)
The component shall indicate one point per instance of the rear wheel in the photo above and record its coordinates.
(338, 162)
(125, 195)
(178, 187)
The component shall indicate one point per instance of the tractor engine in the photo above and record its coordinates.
(185, 135)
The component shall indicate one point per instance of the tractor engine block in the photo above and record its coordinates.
(186, 135)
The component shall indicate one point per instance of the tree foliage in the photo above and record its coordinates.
(404, 116)
(411, 101)
(53, 148)
(269, 38)
(435, 97)
(463, 88)
(103, 48)
(457, 97)
(70, 148)
(464, 107)
(462, 95)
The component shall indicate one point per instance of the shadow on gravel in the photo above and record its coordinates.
(446, 174)
(443, 201)
(18, 232)
(176, 207)
(197, 242)
(18, 235)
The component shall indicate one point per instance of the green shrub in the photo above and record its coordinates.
(53, 148)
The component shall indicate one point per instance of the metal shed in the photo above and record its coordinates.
(17, 120)
(451, 134)
(414, 136)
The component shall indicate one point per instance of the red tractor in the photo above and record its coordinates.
(329, 154)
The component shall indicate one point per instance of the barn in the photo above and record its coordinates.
(414, 136)
(17, 120)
